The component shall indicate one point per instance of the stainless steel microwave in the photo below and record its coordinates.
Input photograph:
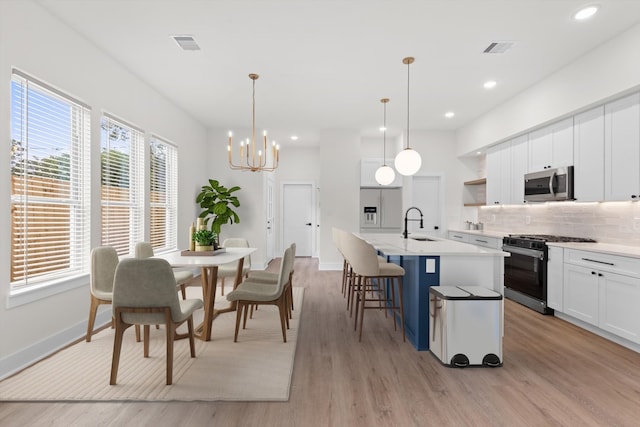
(549, 185)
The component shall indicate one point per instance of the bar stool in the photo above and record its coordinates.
(366, 267)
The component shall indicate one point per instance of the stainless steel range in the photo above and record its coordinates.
(525, 271)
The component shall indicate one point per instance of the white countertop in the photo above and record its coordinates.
(395, 244)
(604, 248)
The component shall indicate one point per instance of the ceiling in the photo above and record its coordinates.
(325, 64)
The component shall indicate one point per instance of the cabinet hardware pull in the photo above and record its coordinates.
(600, 274)
(593, 272)
(483, 241)
(599, 262)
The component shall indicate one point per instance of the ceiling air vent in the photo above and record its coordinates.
(186, 42)
(498, 47)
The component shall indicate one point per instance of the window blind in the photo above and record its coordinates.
(163, 194)
(50, 183)
(121, 182)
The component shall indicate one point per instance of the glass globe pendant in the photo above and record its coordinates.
(408, 161)
(385, 175)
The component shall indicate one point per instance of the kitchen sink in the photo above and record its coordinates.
(422, 238)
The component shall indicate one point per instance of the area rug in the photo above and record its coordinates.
(256, 368)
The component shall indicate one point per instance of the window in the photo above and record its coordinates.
(121, 180)
(50, 183)
(163, 194)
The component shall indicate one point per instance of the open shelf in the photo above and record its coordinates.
(475, 192)
(479, 181)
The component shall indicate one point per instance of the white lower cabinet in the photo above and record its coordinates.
(596, 293)
(459, 237)
(620, 305)
(581, 293)
(555, 277)
(475, 239)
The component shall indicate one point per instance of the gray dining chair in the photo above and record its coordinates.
(104, 260)
(183, 277)
(230, 269)
(250, 292)
(144, 293)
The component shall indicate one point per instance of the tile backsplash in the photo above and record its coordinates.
(610, 222)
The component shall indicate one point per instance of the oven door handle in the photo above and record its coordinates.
(524, 251)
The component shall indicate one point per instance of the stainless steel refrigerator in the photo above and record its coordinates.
(381, 210)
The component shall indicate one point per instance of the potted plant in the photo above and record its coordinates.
(217, 202)
(205, 240)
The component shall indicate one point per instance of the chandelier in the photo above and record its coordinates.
(385, 174)
(408, 161)
(253, 158)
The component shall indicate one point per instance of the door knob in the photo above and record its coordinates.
(308, 223)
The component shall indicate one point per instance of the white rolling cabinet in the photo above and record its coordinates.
(588, 131)
(622, 148)
(555, 278)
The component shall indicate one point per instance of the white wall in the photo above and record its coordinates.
(40, 45)
(604, 73)
(298, 164)
(252, 210)
(339, 190)
(438, 151)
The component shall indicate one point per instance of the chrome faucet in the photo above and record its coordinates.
(406, 215)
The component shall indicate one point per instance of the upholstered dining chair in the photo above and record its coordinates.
(104, 260)
(271, 278)
(144, 293)
(183, 277)
(250, 292)
(230, 269)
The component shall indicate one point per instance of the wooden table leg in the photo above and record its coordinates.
(209, 277)
(236, 282)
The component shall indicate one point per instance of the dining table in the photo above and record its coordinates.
(208, 265)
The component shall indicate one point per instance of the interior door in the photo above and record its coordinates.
(425, 195)
(270, 221)
(298, 217)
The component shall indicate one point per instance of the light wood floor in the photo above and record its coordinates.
(554, 374)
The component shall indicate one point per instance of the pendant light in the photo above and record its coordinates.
(252, 157)
(385, 174)
(408, 161)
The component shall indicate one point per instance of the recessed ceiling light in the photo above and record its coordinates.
(478, 152)
(294, 137)
(585, 13)
(490, 84)
(382, 128)
(449, 114)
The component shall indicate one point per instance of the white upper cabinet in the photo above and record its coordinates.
(622, 149)
(551, 146)
(506, 166)
(368, 168)
(519, 167)
(589, 174)
(499, 174)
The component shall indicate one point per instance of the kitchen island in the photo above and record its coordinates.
(432, 261)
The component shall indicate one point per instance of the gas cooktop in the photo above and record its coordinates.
(552, 238)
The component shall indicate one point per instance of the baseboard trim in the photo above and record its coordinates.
(26, 357)
(330, 266)
(600, 332)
